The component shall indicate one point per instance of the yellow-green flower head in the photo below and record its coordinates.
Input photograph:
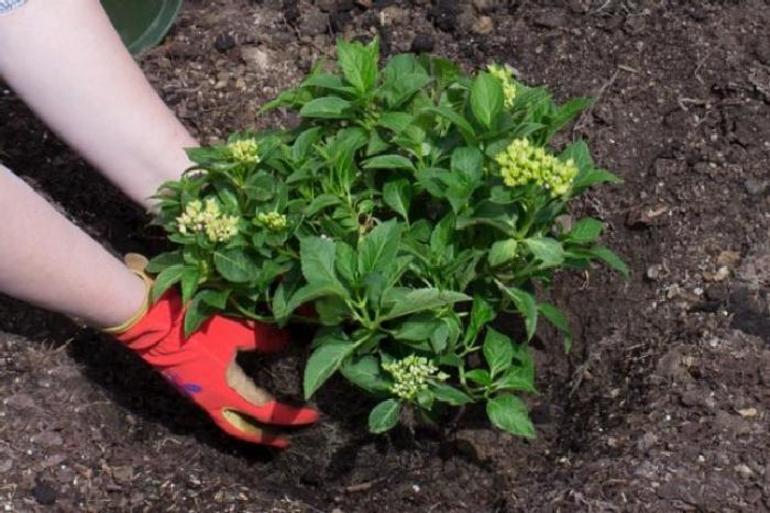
(222, 229)
(505, 75)
(412, 375)
(208, 219)
(522, 163)
(273, 221)
(244, 150)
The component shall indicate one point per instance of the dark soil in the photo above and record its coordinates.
(664, 403)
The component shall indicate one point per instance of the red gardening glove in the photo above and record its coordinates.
(203, 368)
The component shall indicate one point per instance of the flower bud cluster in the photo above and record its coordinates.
(412, 375)
(505, 75)
(522, 163)
(273, 221)
(208, 219)
(244, 150)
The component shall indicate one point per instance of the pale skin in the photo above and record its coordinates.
(64, 59)
(69, 65)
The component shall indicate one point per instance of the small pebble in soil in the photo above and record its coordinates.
(313, 21)
(483, 25)
(485, 6)
(44, 493)
(654, 272)
(756, 187)
(744, 470)
(224, 42)
(728, 258)
(327, 5)
(444, 15)
(255, 58)
(551, 20)
(748, 412)
(422, 42)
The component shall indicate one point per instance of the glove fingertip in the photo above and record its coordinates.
(286, 415)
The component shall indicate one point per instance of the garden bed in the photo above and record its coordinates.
(661, 406)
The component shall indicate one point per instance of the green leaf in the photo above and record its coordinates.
(317, 256)
(425, 399)
(419, 300)
(502, 251)
(324, 362)
(327, 107)
(291, 98)
(450, 395)
(486, 98)
(260, 186)
(439, 338)
(579, 153)
(591, 177)
(376, 144)
(587, 229)
(559, 320)
(365, 373)
(498, 351)
(568, 111)
(235, 265)
(480, 376)
(388, 162)
(346, 262)
(481, 314)
(468, 162)
(396, 121)
(402, 77)
(509, 413)
(215, 298)
(467, 131)
(280, 304)
(377, 251)
(165, 280)
(405, 87)
(548, 251)
(374, 286)
(397, 194)
(441, 238)
(611, 259)
(320, 202)
(160, 262)
(313, 291)
(518, 378)
(384, 416)
(417, 328)
(327, 81)
(332, 310)
(197, 312)
(190, 280)
(525, 304)
(458, 191)
(204, 155)
(359, 63)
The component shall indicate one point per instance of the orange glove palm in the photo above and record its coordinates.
(203, 367)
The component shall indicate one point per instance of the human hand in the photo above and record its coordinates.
(203, 367)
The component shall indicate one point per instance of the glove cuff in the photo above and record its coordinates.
(136, 263)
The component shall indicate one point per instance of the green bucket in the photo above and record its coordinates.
(142, 23)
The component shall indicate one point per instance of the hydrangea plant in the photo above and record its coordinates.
(410, 206)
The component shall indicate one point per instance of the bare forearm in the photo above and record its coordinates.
(67, 62)
(46, 260)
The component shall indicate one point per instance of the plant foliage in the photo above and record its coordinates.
(411, 206)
